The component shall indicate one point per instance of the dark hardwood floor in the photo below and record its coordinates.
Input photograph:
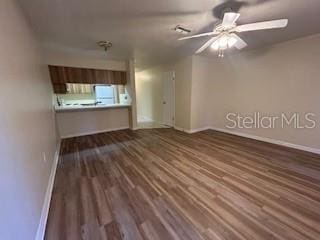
(164, 184)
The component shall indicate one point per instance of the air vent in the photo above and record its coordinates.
(182, 30)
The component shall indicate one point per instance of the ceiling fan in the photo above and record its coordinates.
(225, 33)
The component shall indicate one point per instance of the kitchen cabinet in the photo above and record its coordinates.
(60, 88)
(61, 75)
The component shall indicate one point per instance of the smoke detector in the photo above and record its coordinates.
(106, 45)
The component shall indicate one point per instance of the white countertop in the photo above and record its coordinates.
(91, 107)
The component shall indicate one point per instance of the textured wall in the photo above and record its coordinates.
(27, 140)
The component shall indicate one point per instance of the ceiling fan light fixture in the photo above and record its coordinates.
(224, 42)
(215, 46)
(232, 41)
(224, 35)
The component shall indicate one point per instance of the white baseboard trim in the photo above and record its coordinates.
(192, 130)
(93, 132)
(197, 130)
(144, 119)
(263, 139)
(46, 204)
(179, 129)
(269, 140)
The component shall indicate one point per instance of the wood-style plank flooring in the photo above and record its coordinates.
(164, 184)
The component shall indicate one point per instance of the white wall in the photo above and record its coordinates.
(200, 92)
(183, 87)
(85, 122)
(210, 101)
(130, 89)
(275, 80)
(149, 89)
(26, 126)
(149, 85)
(60, 58)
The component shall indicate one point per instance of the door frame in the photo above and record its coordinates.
(172, 97)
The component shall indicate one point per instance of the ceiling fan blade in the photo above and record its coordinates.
(198, 35)
(206, 45)
(230, 18)
(281, 23)
(240, 44)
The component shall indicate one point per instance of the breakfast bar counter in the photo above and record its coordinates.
(79, 120)
(84, 107)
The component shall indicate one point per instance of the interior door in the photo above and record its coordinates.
(168, 98)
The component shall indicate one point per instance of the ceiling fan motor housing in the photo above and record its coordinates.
(226, 10)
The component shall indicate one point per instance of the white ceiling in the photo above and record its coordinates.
(143, 28)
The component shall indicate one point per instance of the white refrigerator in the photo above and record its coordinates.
(104, 94)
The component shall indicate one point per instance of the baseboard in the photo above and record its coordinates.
(46, 205)
(145, 119)
(197, 130)
(269, 140)
(93, 132)
(179, 129)
(192, 130)
(263, 139)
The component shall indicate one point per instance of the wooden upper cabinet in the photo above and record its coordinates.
(58, 77)
(74, 75)
(60, 88)
(89, 75)
(57, 74)
(61, 75)
(101, 76)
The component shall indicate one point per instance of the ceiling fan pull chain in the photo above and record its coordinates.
(221, 53)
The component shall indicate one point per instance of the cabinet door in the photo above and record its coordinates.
(123, 78)
(58, 78)
(116, 76)
(88, 76)
(60, 88)
(74, 75)
(61, 75)
(100, 77)
(57, 74)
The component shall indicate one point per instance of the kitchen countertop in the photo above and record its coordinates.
(89, 107)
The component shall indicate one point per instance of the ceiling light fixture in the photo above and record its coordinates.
(224, 42)
(106, 45)
(232, 41)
